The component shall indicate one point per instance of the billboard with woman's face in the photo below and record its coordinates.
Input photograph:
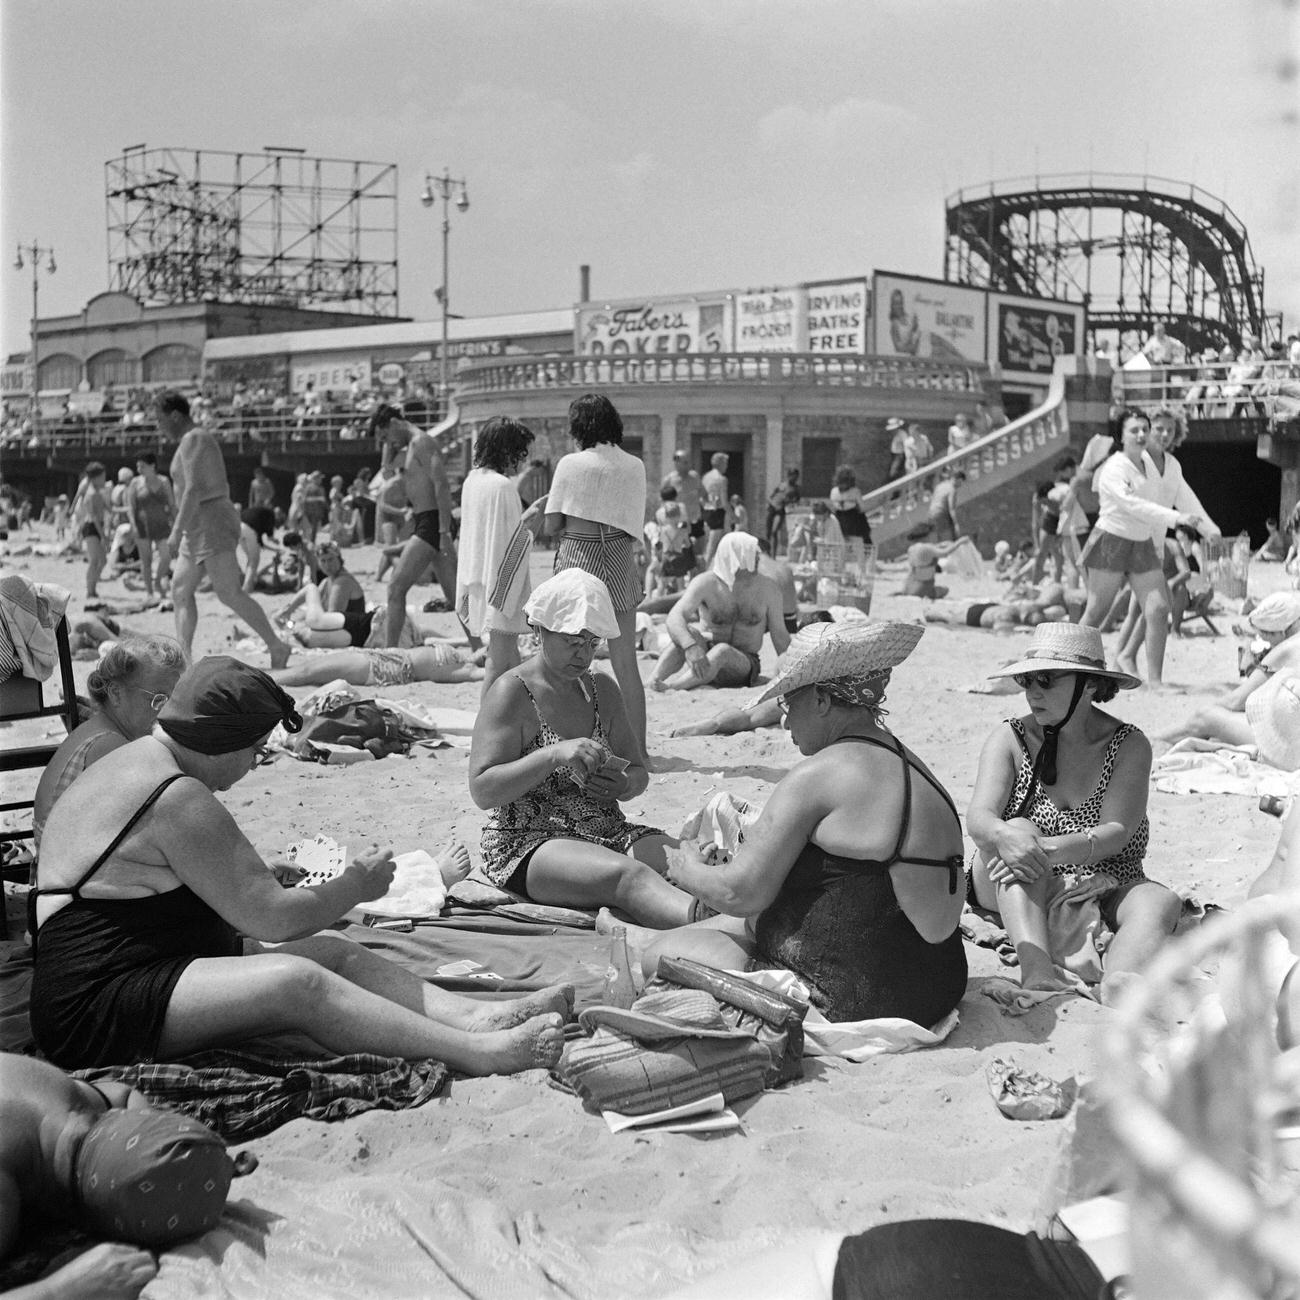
(929, 319)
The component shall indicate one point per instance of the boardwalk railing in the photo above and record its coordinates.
(1042, 434)
(1223, 390)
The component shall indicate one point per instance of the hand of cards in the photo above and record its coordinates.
(321, 858)
(612, 766)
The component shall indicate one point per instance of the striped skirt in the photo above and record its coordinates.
(606, 555)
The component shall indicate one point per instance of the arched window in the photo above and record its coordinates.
(112, 366)
(59, 371)
(172, 363)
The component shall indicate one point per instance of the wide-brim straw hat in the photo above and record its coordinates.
(894, 423)
(823, 652)
(1067, 648)
(1273, 712)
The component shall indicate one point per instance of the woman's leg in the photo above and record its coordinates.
(502, 656)
(318, 618)
(627, 672)
(573, 873)
(1130, 640)
(1103, 586)
(1214, 722)
(145, 547)
(1144, 921)
(223, 1000)
(1152, 595)
(96, 558)
(251, 549)
(351, 665)
(1023, 909)
(723, 942)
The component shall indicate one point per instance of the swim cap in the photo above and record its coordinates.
(222, 705)
(573, 601)
(1276, 613)
(150, 1177)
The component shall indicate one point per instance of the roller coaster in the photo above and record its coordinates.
(1132, 249)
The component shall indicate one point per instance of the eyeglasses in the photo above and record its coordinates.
(156, 698)
(783, 701)
(1044, 681)
(581, 640)
(263, 755)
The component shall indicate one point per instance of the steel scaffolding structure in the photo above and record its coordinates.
(1132, 249)
(274, 228)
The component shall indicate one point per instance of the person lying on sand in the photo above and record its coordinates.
(546, 760)
(85, 1154)
(375, 666)
(717, 626)
(1249, 714)
(146, 885)
(1089, 834)
(1001, 616)
(859, 897)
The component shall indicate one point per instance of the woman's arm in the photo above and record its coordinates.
(345, 588)
(207, 851)
(553, 524)
(616, 785)
(499, 770)
(753, 878)
(1119, 486)
(1015, 842)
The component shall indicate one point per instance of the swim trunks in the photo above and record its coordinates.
(716, 520)
(389, 667)
(427, 528)
(606, 555)
(216, 528)
(976, 612)
(90, 530)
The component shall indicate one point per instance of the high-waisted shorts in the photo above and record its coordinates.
(1118, 554)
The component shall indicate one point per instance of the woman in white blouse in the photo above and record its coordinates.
(1120, 546)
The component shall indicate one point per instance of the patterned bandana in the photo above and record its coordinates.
(864, 692)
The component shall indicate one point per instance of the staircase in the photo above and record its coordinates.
(1037, 438)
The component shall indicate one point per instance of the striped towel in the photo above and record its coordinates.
(507, 593)
(29, 614)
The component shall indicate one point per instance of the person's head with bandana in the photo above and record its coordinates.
(834, 675)
(572, 613)
(737, 553)
(222, 708)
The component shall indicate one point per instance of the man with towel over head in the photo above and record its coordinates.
(718, 624)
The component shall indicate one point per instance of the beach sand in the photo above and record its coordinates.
(508, 1187)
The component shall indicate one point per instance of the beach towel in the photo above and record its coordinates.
(29, 613)
(1210, 767)
(490, 512)
(244, 1094)
(602, 483)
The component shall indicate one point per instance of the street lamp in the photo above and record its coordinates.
(436, 187)
(34, 254)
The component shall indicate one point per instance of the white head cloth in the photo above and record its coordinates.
(573, 601)
(736, 553)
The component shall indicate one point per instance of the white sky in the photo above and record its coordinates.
(675, 145)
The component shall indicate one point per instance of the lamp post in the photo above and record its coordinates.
(34, 254)
(443, 187)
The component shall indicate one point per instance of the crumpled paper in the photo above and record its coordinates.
(1025, 1094)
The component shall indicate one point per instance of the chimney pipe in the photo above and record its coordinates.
(584, 283)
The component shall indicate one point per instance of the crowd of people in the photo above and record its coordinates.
(158, 930)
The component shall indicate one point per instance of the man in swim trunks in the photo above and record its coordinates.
(689, 489)
(429, 495)
(717, 510)
(206, 532)
(717, 626)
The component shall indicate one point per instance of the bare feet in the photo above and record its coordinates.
(454, 863)
(555, 1000)
(639, 937)
(1128, 664)
(534, 1045)
(280, 653)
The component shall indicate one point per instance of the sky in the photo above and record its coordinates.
(671, 145)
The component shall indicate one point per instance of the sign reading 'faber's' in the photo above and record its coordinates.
(652, 328)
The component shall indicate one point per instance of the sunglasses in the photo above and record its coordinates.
(1044, 681)
(263, 755)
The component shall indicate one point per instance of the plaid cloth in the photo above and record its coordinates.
(243, 1095)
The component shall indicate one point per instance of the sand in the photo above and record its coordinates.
(530, 1174)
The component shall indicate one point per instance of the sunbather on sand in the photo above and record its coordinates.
(859, 897)
(1001, 616)
(145, 886)
(376, 666)
(1092, 824)
(86, 1154)
(553, 755)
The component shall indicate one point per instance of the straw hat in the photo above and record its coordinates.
(1273, 712)
(894, 424)
(823, 652)
(1276, 613)
(1067, 648)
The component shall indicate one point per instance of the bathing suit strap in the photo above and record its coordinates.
(953, 864)
(108, 1105)
(75, 890)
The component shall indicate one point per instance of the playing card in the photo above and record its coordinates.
(321, 858)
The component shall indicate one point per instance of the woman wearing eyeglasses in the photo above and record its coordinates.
(552, 757)
(159, 931)
(1059, 814)
(128, 686)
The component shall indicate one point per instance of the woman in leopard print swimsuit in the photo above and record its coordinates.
(1060, 805)
(546, 761)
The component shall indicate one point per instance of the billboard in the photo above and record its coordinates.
(837, 317)
(932, 319)
(653, 327)
(1026, 335)
(770, 321)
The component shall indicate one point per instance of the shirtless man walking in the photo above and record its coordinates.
(716, 504)
(429, 495)
(717, 626)
(206, 531)
(689, 487)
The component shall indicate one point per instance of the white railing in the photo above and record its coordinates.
(1222, 390)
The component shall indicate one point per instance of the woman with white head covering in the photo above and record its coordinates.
(1249, 715)
(852, 876)
(553, 754)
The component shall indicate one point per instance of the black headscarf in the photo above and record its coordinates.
(1044, 769)
(222, 705)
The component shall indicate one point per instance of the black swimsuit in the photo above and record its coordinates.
(106, 967)
(838, 925)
